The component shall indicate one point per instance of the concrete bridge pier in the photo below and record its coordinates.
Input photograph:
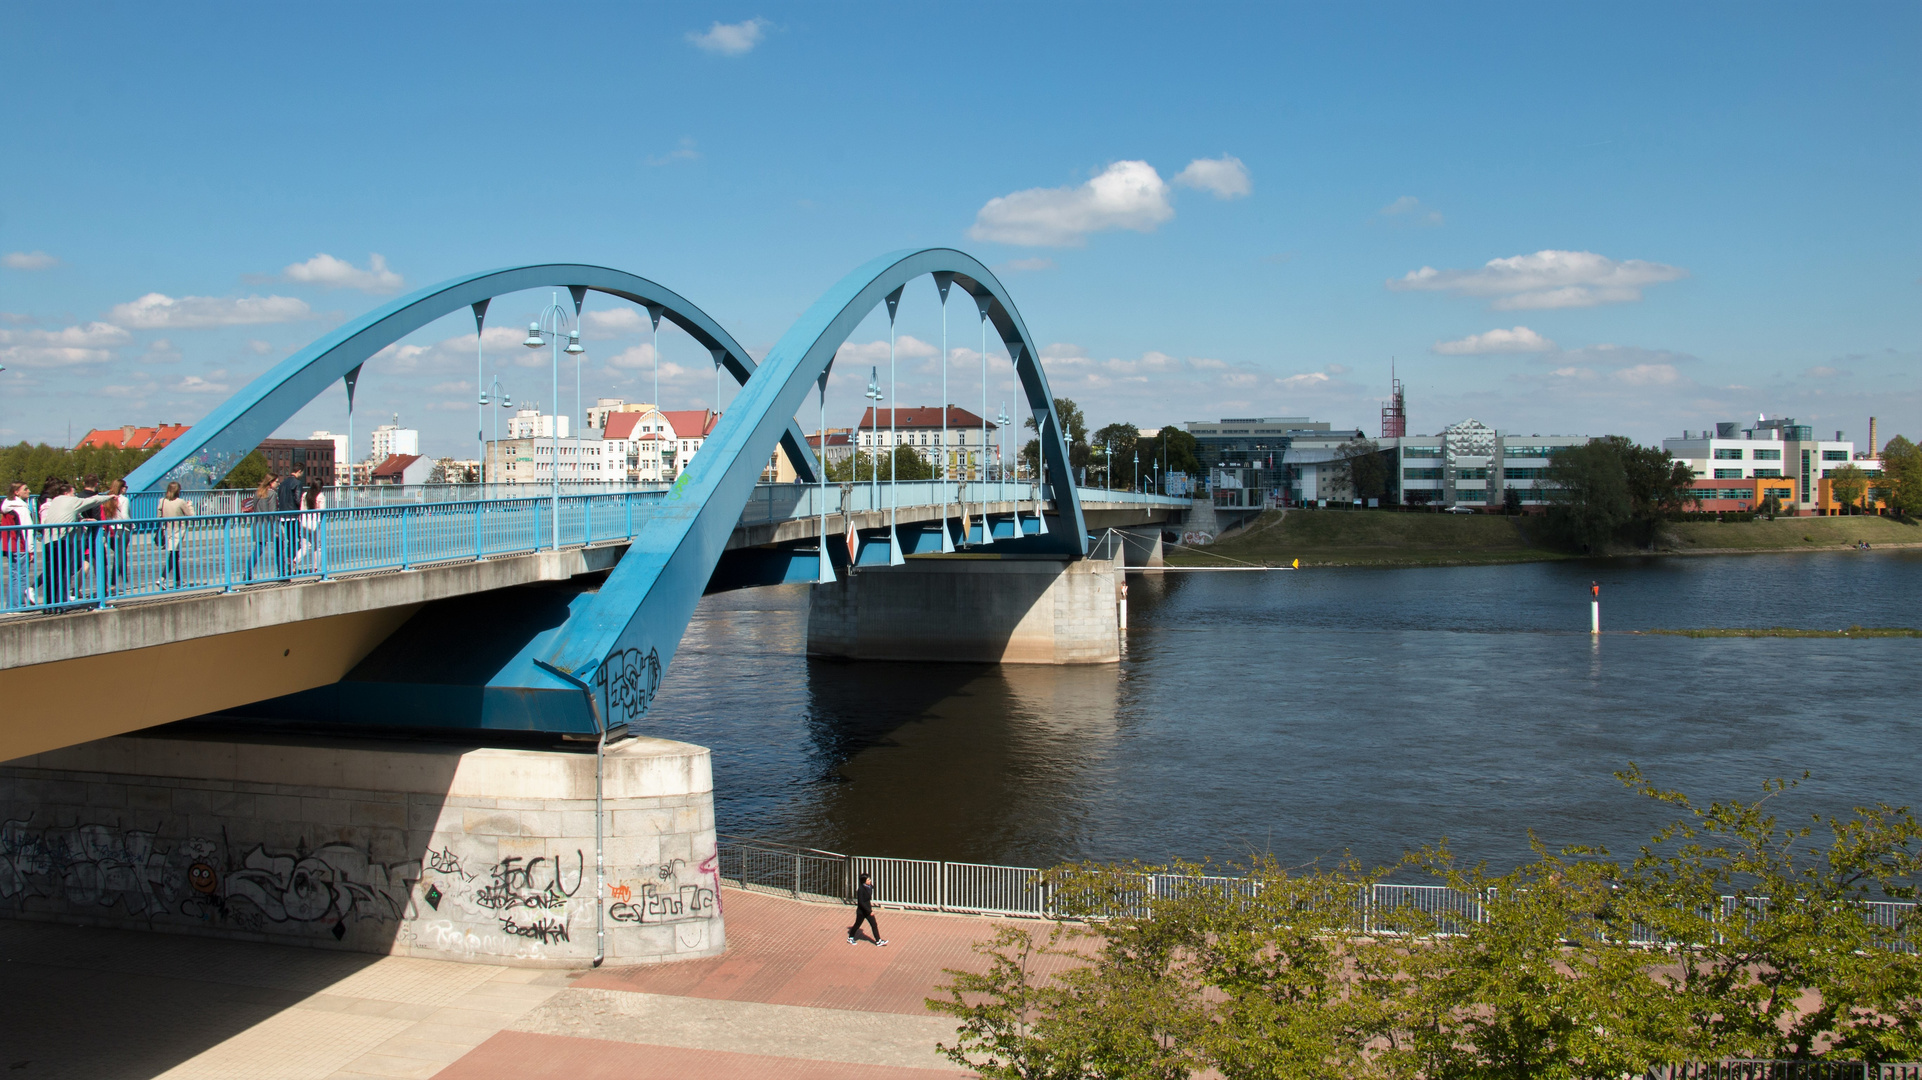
(971, 609)
(386, 846)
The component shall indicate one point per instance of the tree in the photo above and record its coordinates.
(1847, 485)
(1117, 443)
(1511, 500)
(246, 473)
(908, 465)
(34, 465)
(1360, 469)
(1901, 483)
(1074, 427)
(1658, 485)
(1588, 492)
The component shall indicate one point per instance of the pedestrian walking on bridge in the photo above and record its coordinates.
(864, 912)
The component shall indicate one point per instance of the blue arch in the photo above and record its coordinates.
(617, 647)
(232, 430)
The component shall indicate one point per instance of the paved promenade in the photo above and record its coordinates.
(790, 999)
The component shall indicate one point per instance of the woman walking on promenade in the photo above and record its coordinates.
(864, 912)
(172, 533)
(260, 526)
(312, 502)
(16, 546)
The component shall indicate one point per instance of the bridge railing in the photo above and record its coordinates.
(146, 504)
(95, 564)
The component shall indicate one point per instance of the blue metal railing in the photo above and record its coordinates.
(94, 564)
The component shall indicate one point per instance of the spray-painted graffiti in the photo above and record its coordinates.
(88, 865)
(539, 882)
(334, 882)
(445, 861)
(547, 931)
(625, 683)
(674, 894)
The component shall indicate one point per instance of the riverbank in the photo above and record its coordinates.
(1387, 538)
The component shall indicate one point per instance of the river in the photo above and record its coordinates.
(1317, 713)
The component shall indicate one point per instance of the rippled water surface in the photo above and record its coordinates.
(1316, 712)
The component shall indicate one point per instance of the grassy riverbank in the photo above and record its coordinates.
(1386, 538)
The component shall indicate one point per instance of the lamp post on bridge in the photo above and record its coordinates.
(547, 329)
(874, 395)
(507, 402)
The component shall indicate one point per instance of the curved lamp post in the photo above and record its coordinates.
(507, 402)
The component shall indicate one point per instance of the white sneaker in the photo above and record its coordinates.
(883, 941)
(850, 939)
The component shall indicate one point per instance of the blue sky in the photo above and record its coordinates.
(1620, 218)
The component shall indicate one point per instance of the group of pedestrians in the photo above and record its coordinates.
(48, 548)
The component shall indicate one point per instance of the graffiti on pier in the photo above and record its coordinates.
(446, 862)
(625, 683)
(673, 894)
(547, 931)
(539, 883)
(88, 865)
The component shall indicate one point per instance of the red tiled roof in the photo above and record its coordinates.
(395, 464)
(622, 425)
(133, 438)
(692, 423)
(835, 438)
(921, 418)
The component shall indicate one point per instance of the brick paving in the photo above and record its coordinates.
(790, 1000)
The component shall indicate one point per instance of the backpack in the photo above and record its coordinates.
(12, 541)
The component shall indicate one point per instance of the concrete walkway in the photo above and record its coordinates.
(790, 999)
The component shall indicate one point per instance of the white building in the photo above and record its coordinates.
(389, 440)
(340, 447)
(1766, 449)
(534, 424)
(921, 429)
(603, 408)
(1472, 464)
(531, 461)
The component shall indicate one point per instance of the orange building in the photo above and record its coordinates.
(133, 437)
(1825, 501)
(1743, 494)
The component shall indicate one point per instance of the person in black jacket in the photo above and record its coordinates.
(864, 912)
(287, 501)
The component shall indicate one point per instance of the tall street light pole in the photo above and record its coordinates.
(547, 329)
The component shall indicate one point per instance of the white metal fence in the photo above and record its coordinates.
(1023, 891)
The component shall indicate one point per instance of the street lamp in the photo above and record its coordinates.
(507, 402)
(548, 328)
(874, 461)
(1001, 462)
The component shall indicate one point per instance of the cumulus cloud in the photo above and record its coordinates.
(906, 347)
(731, 39)
(1518, 340)
(156, 311)
(600, 325)
(1409, 210)
(1224, 177)
(330, 273)
(259, 347)
(1126, 195)
(89, 344)
(1546, 279)
(194, 384)
(454, 353)
(28, 260)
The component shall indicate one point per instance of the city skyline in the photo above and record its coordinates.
(1245, 214)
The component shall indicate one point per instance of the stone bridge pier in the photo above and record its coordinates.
(972, 609)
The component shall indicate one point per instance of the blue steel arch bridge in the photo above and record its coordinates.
(449, 641)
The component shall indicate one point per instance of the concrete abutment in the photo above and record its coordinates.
(971, 610)
(449, 852)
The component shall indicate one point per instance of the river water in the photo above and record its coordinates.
(1314, 713)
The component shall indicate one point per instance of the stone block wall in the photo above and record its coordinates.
(455, 853)
(970, 609)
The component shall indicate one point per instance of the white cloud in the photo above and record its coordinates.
(1518, 340)
(639, 356)
(1224, 177)
(731, 39)
(1022, 266)
(1823, 371)
(906, 347)
(1305, 381)
(1546, 279)
(1410, 211)
(259, 347)
(89, 344)
(330, 273)
(28, 260)
(155, 311)
(1126, 195)
(194, 384)
(684, 152)
(1649, 375)
(599, 325)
